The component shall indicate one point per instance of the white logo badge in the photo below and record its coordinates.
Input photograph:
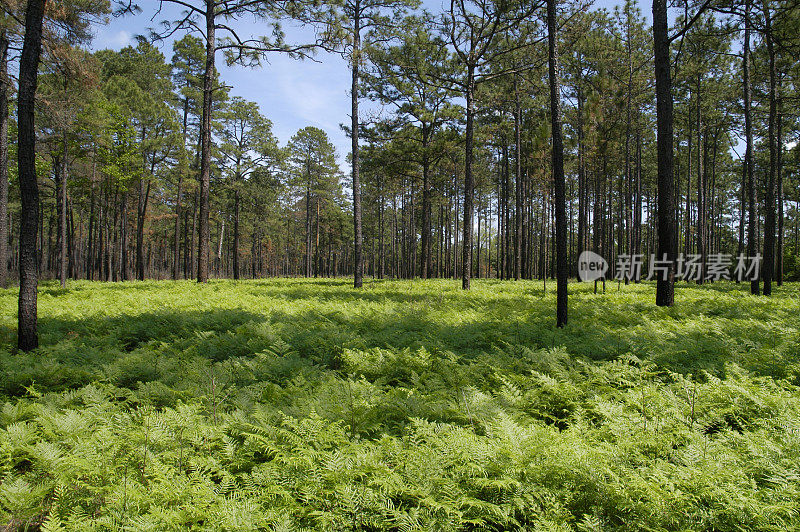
(591, 266)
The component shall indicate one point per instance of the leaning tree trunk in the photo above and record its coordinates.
(562, 267)
(667, 236)
(205, 147)
(27, 337)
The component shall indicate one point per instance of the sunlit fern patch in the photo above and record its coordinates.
(292, 404)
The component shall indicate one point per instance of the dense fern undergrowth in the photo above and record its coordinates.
(303, 404)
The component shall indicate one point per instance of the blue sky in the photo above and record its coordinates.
(292, 94)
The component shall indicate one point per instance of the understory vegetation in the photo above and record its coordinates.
(290, 404)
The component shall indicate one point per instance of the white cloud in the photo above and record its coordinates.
(108, 38)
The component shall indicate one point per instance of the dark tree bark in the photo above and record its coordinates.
(748, 153)
(236, 209)
(307, 268)
(582, 186)
(317, 255)
(27, 336)
(144, 195)
(176, 242)
(358, 239)
(466, 252)
(426, 263)
(518, 184)
(506, 247)
(768, 270)
(205, 146)
(687, 242)
(779, 170)
(667, 235)
(501, 208)
(701, 199)
(90, 248)
(4, 91)
(637, 218)
(176, 245)
(123, 230)
(61, 209)
(562, 268)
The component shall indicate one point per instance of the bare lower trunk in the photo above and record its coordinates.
(123, 230)
(466, 252)
(426, 265)
(667, 236)
(701, 199)
(307, 266)
(144, 194)
(61, 193)
(236, 206)
(29, 188)
(768, 271)
(358, 267)
(748, 154)
(205, 147)
(779, 170)
(518, 186)
(176, 244)
(4, 90)
(562, 267)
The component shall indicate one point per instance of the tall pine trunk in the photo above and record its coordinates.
(466, 253)
(236, 209)
(204, 232)
(748, 153)
(176, 244)
(4, 91)
(144, 195)
(518, 184)
(701, 199)
(562, 268)
(61, 198)
(27, 337)
(426, 263)
(779, 184)
(768, 271)
(307, 266)
(358, 239)
(667, 235)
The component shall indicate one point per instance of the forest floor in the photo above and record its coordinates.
(409, 405)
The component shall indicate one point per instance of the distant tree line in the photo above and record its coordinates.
(516, 136)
